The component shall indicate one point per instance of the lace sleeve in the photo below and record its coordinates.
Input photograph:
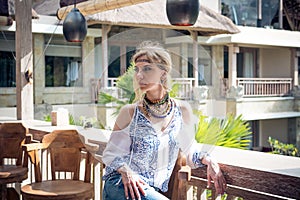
(117, 148)
(186, 137)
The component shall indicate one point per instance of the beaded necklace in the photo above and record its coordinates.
(158, 101)
(155, 111)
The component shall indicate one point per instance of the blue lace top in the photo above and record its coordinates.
(150, 153)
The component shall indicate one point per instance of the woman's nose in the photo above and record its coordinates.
(139, 75)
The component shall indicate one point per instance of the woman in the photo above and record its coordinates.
(148, 134)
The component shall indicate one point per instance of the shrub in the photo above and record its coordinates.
(282, 148)
(230, 132)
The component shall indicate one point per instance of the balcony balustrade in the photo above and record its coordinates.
(185, 88)
(252, 87)
(257, 87)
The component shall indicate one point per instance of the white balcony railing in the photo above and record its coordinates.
(252, 87)
(185, 88)
(265, 86)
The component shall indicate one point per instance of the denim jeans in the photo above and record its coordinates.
(114, 190)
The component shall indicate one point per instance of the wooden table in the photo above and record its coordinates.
(13, 168)
(11, 174)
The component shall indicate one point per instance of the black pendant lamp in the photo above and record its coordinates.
(182, 12)
(75, 26)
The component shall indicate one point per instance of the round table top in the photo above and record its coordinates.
(59, 188)
(12, 173)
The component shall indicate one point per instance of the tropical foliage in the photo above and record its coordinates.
(282, 148)
(125, 84)
(230, 132)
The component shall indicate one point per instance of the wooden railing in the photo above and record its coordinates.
(265, 86)
(244, 182)
(249, 175)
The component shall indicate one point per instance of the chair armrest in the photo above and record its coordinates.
(184, 174)
(32, 151)
(92, 148)
(34, 146)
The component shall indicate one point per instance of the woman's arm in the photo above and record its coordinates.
(117, 147)
(196, 157)
(119, 142)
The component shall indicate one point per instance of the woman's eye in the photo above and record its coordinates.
(136, 69)
(147, 68)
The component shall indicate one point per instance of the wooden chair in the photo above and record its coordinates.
(175, 187)
(13, 163)
(67, 150)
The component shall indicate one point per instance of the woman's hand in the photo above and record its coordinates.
(132, 183)
(214, 173)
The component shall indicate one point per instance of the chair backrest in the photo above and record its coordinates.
(67, 150)
(173, 187)
(12, 136)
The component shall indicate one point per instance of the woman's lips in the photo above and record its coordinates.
(142, 84)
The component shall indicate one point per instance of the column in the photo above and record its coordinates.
(24, 60)
(232, 65)
(105, 31)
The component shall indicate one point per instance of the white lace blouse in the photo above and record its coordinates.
(151, 154)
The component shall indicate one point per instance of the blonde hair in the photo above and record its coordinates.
(156, 54)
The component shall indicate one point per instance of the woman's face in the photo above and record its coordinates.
(148, 75)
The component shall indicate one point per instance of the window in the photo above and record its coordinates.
(245, 12)
(62, 71)
(225, 62)
(246, 62)
(119, 60)
(204, 65)
(299, 70)
(254, 128)
(7, 60)
(7, 69)
(63, 65)
(114, 66)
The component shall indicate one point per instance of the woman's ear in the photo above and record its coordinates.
(164, 74)
(163, 77)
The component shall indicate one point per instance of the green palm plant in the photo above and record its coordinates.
(230, 132)
(124, 83)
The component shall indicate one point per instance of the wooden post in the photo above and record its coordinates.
(194, 35)
(24, 60)
(105, 31)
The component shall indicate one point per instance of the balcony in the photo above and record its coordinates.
(265, 87)
(251, 87)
